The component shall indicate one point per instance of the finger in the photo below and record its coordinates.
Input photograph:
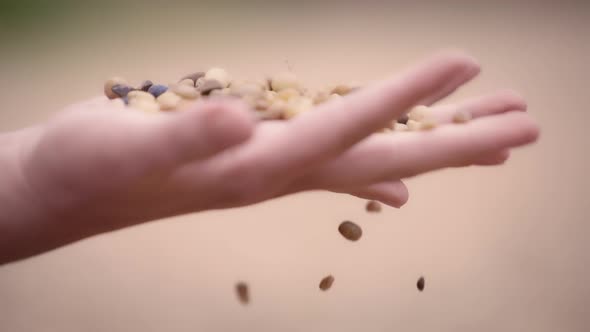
(450, 87)
(490, 104)
(333, 127)
(496, 158)
(392, 193)
(385, 157)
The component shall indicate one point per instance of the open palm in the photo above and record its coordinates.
(98, 166)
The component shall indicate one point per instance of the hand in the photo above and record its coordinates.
(97, 167)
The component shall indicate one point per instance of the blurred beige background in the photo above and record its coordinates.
(502, 249)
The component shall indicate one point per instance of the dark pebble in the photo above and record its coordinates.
(146, 85)
(326, 283)
(208, 86)
(350, 230)
(157, 89)
(121, 90)
(403, 119)
(421, 283)
(242, 292)
(194, 76)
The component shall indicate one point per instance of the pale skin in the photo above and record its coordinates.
(94, 168)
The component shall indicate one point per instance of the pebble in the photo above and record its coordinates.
(209, 85)
(421, 283)
(246, 89)
(261, 104)
(373, 206)
(400, 127)
(121, 90)
(270, 114)
(403, 119)
(194, 77)
(145, 85)
(413, 125)
(296, 106)
(342, 89)
(185, 91)
(220, 75)
(427, 123)
(321, 97)
(220, 93)
(145, 105)
(157, 89)
(461, 116)
(418, 112)
(187, 81)
(138, 94)
(350, 230)
(326, 283)
(277, 109)
(108, 86)
(288, 93)
(285, 80)
(242, 292)
(168, 100)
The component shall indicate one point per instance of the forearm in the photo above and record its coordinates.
(27, 225)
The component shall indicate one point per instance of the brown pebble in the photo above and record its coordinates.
(326, 283)
(209, 85)
(146, 85)
(421, 283)
(461, 117)
(342, 90)
(108, 86)
(373, 206)
(427, 124)
(242, 292)
(350, 230)
(194, 77)
(403, 119)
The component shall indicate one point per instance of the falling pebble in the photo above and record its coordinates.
(373, 206)
(350, 230)
(326, 283)
(243, 293)
(421, 283)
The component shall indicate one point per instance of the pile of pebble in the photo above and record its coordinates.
(281, 97)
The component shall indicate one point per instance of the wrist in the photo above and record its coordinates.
(23, 216)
